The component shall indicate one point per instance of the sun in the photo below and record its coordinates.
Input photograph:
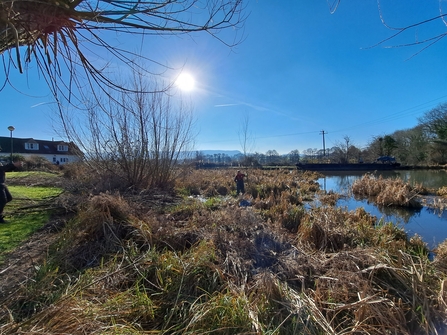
(185, 82)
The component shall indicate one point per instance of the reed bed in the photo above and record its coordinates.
(202, 266)
(442, 191)
(387, 192)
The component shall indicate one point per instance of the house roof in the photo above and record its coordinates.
(45, 147)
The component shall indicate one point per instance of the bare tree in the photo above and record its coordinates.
(137, 139)
(272, 156)
(344, 150)
(434, 122)
(309, 155)
(294, 156)
(246, 138)
(67, 38)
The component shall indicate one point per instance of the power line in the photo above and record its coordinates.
(391, 117)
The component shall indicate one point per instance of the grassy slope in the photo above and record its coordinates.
(25, 213)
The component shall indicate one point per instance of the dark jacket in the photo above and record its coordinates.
(6, 168)
(239, 178)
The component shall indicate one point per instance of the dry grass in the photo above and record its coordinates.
(200, 267)
(387, 192)
(442, 191)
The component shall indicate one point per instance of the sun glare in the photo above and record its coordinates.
(185, 82)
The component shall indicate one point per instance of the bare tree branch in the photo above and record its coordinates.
(66, 38)
(426, 42)
(135, 139)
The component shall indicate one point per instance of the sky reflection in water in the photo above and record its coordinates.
(426, 222)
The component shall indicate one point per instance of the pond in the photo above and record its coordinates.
(429, 223)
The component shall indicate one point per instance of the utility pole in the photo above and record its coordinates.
(324, 145)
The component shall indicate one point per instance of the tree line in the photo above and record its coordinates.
(424, 144)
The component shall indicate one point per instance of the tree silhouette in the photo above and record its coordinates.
(68, 39)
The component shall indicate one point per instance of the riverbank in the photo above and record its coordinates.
(366, 167)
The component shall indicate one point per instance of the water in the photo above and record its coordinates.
(429, 223)
(339, 181)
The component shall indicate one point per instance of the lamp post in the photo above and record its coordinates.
(11, 129)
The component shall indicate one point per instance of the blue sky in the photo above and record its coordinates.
(299, 70)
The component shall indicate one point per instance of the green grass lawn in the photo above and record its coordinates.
(26, 174)
(22, 217)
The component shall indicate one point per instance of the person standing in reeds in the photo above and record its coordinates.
(239, 179)
(5, 195)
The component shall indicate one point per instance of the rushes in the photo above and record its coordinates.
(387, 192)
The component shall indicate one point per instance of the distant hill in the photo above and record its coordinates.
(226, 152)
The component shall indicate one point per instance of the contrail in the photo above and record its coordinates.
(227, 105)
(41, 103)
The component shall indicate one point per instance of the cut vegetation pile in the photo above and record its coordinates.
(202, 264)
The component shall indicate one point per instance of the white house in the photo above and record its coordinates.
(57, 152)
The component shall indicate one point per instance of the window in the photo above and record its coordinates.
(62, 147)
(32, 146)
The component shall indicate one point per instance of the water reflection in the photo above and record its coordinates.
(428, 178)
(340, 181)
(429, 223)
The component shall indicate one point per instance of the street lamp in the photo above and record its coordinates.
(11, 129)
